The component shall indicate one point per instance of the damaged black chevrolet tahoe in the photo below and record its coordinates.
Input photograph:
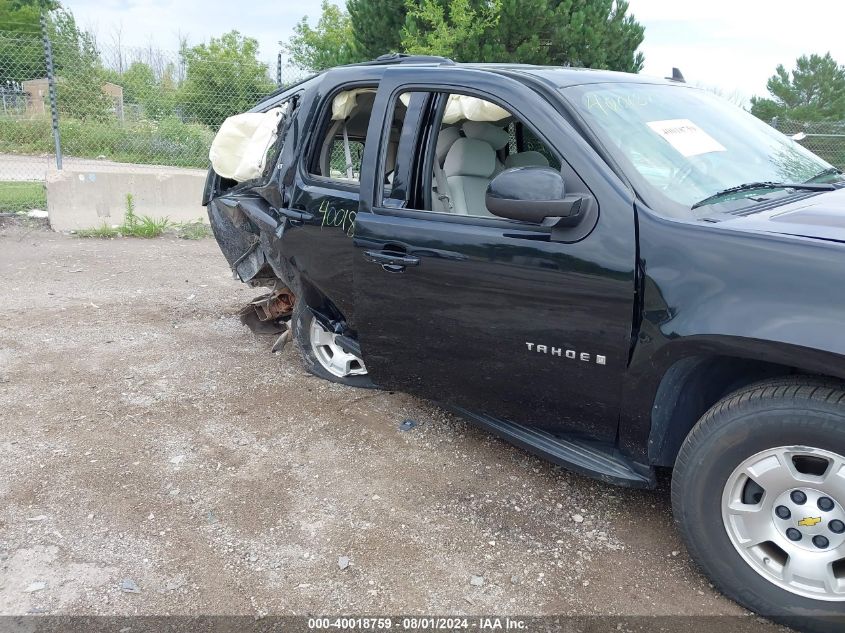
(615, 272)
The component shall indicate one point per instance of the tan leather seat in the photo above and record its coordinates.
(493, 135)
(526, 159)
(468, 168)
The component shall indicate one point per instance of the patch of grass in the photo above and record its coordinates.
(103, 232)
(196, 230)
(145, 226)
(133, 225)
(141, 226)
(16, 197)
(166, 142)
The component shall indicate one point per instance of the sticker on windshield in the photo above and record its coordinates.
(686, 137)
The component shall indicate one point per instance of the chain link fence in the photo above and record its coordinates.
(156, 108)
(116, 105)
(826, 139)
(26, 139)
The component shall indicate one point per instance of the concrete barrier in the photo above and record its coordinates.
(86, 197)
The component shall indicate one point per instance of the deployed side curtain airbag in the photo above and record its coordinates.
(344, 104)
(464, 107)
(239, 150)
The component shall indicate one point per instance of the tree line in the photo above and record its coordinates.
(209, 81)
(589, 33)
(203, 83)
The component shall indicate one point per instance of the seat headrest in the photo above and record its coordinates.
(494, 136)
(445, 139)
(470, 157)
(526, 159)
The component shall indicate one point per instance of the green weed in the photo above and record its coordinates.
(103, 232)
(133, 225)
(141, 226)
(196, 230)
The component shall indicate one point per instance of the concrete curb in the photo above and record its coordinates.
(87, 197)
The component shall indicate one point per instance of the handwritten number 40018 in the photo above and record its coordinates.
(343, 218)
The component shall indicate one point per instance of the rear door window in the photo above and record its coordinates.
(339, 149)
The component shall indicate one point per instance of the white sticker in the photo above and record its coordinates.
(686, 137)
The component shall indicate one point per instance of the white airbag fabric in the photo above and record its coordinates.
(239, 150)
(463, 107)
(344, 103)
(466, 108)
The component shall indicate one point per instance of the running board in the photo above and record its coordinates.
(600, 461)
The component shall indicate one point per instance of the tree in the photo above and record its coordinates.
(151, 96)
(23, 16)
(78, 69)
(21, 49)
(457, 30)
(329, 44)
(156, 95)
(591, 33)
(76, 60)
(813, 91)
(376, 26)
(138, 82)
(222, 78)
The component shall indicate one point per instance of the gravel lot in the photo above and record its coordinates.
(158, 459)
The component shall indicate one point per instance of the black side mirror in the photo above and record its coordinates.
(533, 194)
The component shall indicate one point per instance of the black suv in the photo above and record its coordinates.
(615, 272)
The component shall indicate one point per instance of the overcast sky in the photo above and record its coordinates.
(734, 45)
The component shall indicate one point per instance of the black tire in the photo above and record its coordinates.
(301, 324)
(782, 412)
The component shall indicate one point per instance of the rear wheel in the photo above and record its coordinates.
(324, 352)
(759, 494)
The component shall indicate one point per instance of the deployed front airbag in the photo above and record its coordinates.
(239, 151)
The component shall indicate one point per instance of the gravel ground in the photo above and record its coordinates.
(158, 459)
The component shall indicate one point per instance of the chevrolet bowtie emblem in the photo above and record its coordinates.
(809, 521)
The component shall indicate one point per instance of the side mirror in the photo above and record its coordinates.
(534, 194)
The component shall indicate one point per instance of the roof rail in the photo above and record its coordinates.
(405, 58)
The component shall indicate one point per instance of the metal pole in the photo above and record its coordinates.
(279, 70)
(51, 84)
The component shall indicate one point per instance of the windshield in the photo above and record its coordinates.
(680, 145)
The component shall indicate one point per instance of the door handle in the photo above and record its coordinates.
(391, 261)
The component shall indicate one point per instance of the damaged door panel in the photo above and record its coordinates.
(239, 238)
(244, 216)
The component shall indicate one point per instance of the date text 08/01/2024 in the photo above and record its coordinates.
(419, 623)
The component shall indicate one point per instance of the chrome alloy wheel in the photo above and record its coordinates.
(332, 356)
(782, 510)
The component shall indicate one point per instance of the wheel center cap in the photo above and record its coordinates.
(809, 519)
